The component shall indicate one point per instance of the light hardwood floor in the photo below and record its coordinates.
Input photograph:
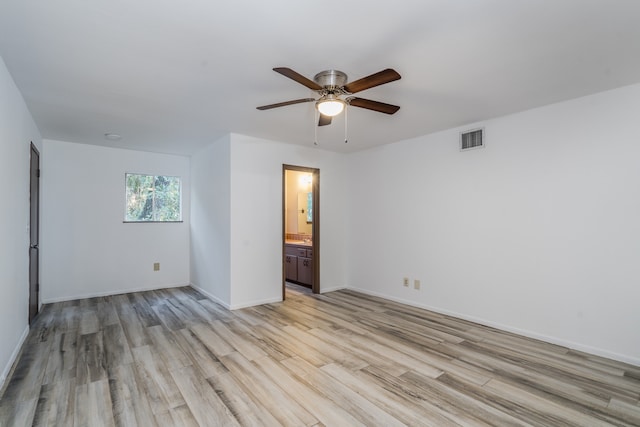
(173, 357)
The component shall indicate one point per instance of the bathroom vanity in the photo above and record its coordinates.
(298, 262)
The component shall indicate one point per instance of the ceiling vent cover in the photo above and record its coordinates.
(472, 139)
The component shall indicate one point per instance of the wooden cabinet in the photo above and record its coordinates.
(291, 267)
(305, 271)
(298, 264)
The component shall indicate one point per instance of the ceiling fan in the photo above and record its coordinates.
(335, 92)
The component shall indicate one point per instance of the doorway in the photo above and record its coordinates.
(300, 227)
(34, 233)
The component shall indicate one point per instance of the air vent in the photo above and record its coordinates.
(472, 139)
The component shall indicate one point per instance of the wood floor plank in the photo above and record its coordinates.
(308, 321)
(569, 369)
(292, 346)
(627, 411)
(276, 318)
(340, 318)
(106, 313)
(444, 403)
(390, 353)
(239, 343)
(215, 309)
(145, 312)
(29, 372)
(135, 331)
(159, 386)
(128, 398)
(61, 364)
(394, 403)
(116, 347)
(344, 342)
(214, 342)
(172, 357)
(180, 416)
(269, 345)
(544, 381)
(89, 321)
(246, 410)
(166, 346)
(555, 414)
(334, 353)
(351, 401)
(199, 353)
(91, 364)
(258, 385)
(93, 405)
(56, 404)
(17, 413)
(187, 303)
(249, 315)
(579, 402)
(170, 317)
(436, 355)
(324, 409)
(240, 328)
(204, 403)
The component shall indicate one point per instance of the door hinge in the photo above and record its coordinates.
(38, 173)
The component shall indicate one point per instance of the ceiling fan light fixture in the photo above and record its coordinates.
(112, 136)
(330, 106)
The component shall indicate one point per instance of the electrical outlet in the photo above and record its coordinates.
(156, 266)
(405, 281)
(416, 284)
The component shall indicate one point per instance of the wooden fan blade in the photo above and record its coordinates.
(282, 104)
(324, 120)
(288, 72)
(373, 105)
(377, 79)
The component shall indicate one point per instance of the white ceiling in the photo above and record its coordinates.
(174, 76)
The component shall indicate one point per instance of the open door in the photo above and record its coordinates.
(300, 210)
(34, 234)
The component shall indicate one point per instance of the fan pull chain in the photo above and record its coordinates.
(346, 128)
(315, 127)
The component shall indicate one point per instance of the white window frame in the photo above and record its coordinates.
(153, 201)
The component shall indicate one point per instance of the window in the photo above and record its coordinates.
(309, 207)
(153, 198)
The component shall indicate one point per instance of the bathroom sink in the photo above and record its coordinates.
(298, 242)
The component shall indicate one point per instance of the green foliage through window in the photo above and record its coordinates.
(153, 198)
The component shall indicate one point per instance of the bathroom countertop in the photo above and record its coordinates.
(298, 243)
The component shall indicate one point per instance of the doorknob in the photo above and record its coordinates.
(34, 247)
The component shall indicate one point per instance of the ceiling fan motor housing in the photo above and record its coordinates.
(331, 79)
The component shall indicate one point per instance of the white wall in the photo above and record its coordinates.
(256, 217)
(211, 220)
(538, 233)
(17, 130)
(86, 248)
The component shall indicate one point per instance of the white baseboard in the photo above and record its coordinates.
(110, 293)
(13, 357)
(210, 296)
(235, 306)
(530, 334)
(256, 302)
(334, 288)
